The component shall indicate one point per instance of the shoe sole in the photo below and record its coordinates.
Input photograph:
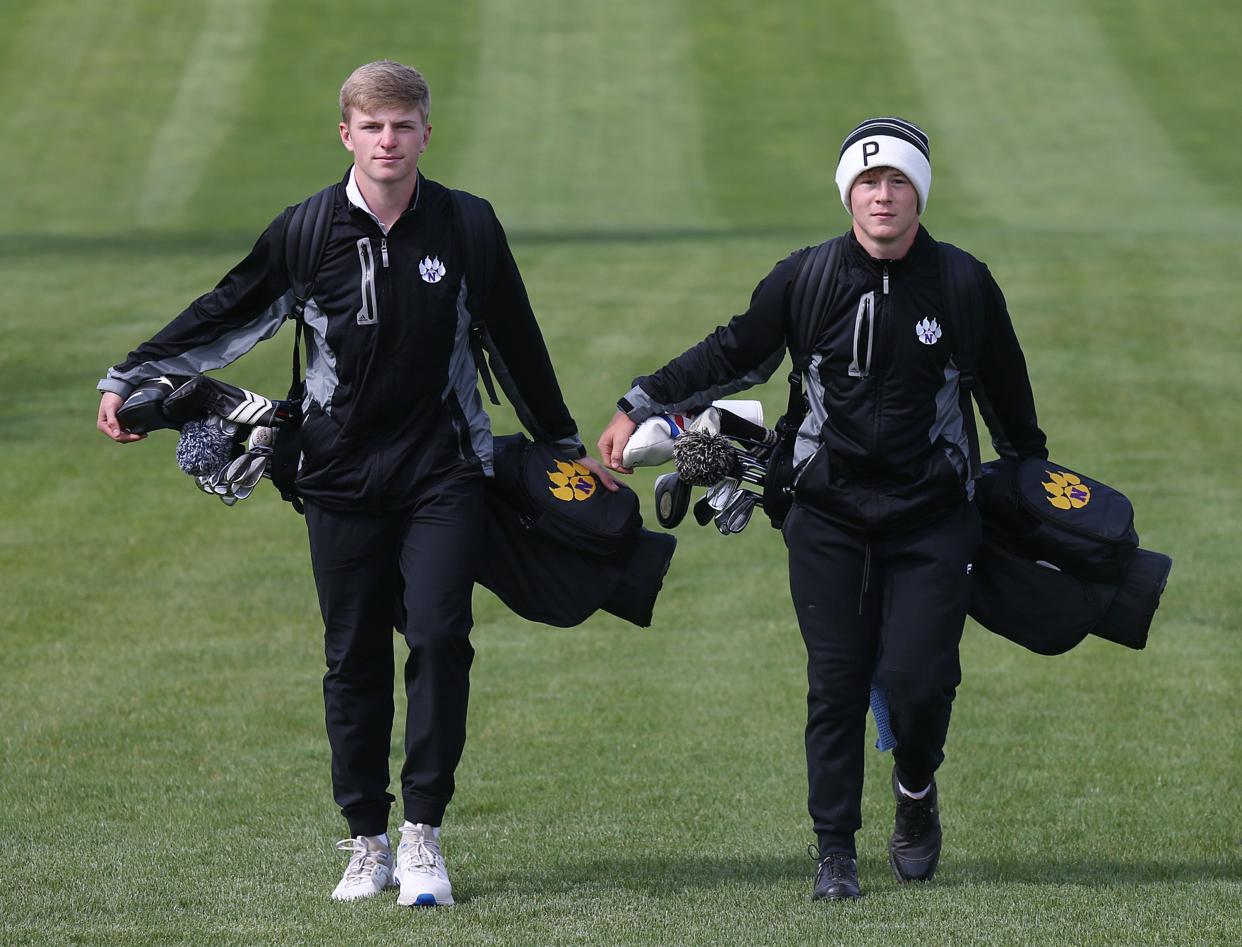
(345, 898)
(427, 900)
(839, 897)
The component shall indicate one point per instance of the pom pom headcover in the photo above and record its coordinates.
(704, 459)
(205, 446)
(887, 142)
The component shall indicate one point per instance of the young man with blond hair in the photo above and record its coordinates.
(395, 449)
(883, 529)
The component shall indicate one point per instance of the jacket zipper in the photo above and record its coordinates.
(384, 251)
(879, 383)
(865, 316)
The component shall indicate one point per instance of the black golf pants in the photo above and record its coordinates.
(890, 609)
(414, 569)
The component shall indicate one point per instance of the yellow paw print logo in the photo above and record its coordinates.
(1067, 491)
(571, 481)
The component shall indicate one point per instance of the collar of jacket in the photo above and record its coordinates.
(922, 250)
(354, 202)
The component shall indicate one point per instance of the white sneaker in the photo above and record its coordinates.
(369, 870)
(420, 868)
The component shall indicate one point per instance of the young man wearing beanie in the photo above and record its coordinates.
(883, 530)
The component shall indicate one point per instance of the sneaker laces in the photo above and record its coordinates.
(836, 865)
(364, 862)
(419, 853)
(915, 815)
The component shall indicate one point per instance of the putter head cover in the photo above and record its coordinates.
(143, 411)
(202, 396)
(171, 400)
(651, 444)
(672, 499)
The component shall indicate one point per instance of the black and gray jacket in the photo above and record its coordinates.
(883, 446)
(392, 404)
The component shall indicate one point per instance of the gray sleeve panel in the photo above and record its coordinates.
(808, 441)
(321, 376)
(116, 386)
(220, 352)
(463, 385)
(950, 424)
(644, 407)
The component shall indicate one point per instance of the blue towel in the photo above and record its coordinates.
(885, 740)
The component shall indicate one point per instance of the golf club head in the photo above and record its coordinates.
(672, 499)
(718, 497)
(736, 514)
(703, 511)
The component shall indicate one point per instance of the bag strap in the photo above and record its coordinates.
(813, 285)
(305, 237)
(963, 289)
(303, 242)
(474, 227)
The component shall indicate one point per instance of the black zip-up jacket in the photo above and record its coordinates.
(884, 446)
(392, 404)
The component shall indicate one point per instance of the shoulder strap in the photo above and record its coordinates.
(302, 245)
(963, 291)
(475, 227)
(305, 237)
(812, 290)
(813, 284)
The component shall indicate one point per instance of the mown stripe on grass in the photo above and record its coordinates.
(780, 85)
(207, 103)
(586, 116)
(1169, 53)
(1042, 125)
(54, 139)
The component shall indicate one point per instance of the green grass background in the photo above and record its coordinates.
(163, 770)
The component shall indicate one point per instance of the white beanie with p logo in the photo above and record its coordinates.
(885, 143)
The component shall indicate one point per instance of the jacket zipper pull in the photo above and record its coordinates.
(885, 275)
(384, 257)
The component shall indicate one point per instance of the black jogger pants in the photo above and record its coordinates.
(414, 569)
(891, 609)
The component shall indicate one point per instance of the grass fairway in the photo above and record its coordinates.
(163, 769)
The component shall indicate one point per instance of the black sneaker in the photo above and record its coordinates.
(837, 878)
(914, 849)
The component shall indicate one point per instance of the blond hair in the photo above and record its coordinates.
(385, 84)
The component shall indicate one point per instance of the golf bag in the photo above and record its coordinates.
(560, 546)
(1061, 560)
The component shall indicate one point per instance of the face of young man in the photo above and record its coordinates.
(885, 207)
(386, 145)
